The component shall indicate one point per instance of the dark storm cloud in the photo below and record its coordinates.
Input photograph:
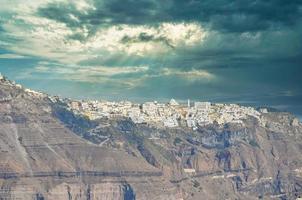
(233, 16)
(240, 15)
(61, 12)
(145, 37)
(108, 12)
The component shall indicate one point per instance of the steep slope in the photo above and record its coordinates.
(247, 161)
(49, 152)
(40, 155)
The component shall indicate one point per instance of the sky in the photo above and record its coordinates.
(239, 51)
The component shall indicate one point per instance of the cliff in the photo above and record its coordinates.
(49, 152)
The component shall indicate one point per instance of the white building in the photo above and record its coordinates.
(173, 102)
(85, 106)
(75, 105)
(264, 110)
(202, 105)
(170, 122)
(149, 108)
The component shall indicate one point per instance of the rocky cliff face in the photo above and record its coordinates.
(48, 152)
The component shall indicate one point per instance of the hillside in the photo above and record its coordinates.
(50, 151)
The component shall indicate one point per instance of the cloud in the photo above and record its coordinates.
(144, 40)
(237, 16)
(125, 77)
(101, 71)
(72, 43)
(11, 56)
(75, 32)
(192, 75)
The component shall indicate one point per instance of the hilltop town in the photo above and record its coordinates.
(171, 114)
